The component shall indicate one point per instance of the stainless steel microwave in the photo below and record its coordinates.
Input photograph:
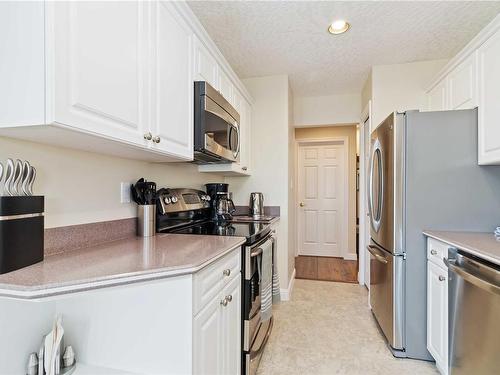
(216, 127)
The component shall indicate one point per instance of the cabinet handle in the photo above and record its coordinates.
(244, 168)
(434, 252)
(148, 136)
(229, 298)
(224, 302)
(441, 278)
(226, 272)
(156, 139)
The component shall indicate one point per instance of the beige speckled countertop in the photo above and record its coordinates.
(483, 245)
(115, 263)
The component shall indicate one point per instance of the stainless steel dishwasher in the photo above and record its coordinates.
(474, 315)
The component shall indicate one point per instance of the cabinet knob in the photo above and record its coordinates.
(434, 252)
(229, 298)
(301, 204)
(244, 168)
(148, 136)
(226, 272)
(441, 278)
(156, 139)
(224, 302)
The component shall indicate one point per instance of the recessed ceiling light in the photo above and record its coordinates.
(338, 27)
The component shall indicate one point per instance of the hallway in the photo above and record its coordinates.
(327, 328)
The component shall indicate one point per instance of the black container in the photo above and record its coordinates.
(21, 232)
(213, 189)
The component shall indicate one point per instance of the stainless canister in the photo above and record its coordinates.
(146, 220)
(257, 204)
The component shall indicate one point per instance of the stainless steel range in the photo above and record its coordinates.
(188, 211)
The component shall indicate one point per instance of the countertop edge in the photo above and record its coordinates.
(36, 292)
(461, 246)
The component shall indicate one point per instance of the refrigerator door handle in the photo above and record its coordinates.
(374, 251)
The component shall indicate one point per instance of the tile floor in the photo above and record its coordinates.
(327, 328)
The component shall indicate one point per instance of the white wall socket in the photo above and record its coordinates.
(125, 195)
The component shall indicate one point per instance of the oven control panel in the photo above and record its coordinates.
(179, 200)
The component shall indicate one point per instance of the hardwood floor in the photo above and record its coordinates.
(326, 268)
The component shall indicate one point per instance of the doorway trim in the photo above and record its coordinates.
(364, 229)
(345, 220)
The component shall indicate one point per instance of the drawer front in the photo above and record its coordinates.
(231, 266)
(208, 282)
(436, 251)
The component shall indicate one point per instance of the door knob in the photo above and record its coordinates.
(302, 204)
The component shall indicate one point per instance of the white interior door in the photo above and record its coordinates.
(321, 193)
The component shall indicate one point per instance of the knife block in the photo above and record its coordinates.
(21, 232)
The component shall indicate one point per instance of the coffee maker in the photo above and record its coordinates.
(221, 204)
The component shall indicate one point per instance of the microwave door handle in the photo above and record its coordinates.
(234, 148)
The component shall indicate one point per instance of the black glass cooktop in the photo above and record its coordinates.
(252, 231)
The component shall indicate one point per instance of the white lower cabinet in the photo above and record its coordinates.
(208, 339)
(217, 333)
(437, 308)
(217, 326)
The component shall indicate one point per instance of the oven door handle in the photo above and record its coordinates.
(256, 252)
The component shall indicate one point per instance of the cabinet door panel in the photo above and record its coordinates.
(100, 67)
(208, 340)
(489, 99)
(436, 98)
(232, 327)
(226, 87)
(437, 314)
(173, 82)
(205, 66)
(462, 85)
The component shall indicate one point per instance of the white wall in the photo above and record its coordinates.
(270, 139)
(83, 187)
(327, 110)
(401, 87)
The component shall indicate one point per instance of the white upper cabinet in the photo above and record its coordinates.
(462, 85)
(172, 84)
(472, 79)
(436, 98)
(205, 66)
(100, 72)
(226, 87)
(114, 77)
(489, 101)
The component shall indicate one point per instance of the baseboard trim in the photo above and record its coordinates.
(350, 256)
(286, 294)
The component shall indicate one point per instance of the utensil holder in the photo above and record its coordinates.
(21, 232)
(146, 220)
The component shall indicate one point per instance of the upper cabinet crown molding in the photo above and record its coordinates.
(471, 79)
(487, 32)
(205, 39)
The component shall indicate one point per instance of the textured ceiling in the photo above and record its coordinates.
(290, 37)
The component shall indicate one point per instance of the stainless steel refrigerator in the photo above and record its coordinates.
(423, 175)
